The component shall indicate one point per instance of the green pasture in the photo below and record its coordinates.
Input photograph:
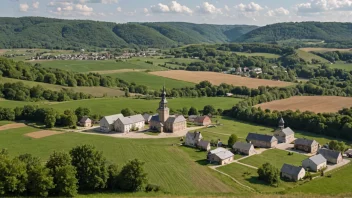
(307, 56)
(166, 165)
(151, 81)
(341, 65)
(276, 157)
(265, 55)
(109, 106)
(95, 91)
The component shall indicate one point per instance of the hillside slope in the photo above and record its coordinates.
(328, 32)
(38, 32)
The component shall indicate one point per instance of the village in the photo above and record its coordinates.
(319, 158)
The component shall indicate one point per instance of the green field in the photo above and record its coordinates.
(265, 55)
(166, 165)
(276, 157)
(341, 65)
(151, 81)
(89, 66)
(95, 91)
(309, 56)
(108, 106)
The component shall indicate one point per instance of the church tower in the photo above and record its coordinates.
(163, 110)
(281, 123)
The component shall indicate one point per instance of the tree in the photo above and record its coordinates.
(127, 93)
(63, 173)
(269, 173)
(209, 109)
(113, 179)
(90, 165)
(82, 111)
(184, 111)
(193, 111)
(132, 176)
(127, 112)
(232, 140)
(50, 118)
(337, 146)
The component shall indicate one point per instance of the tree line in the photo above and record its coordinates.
(65, 174)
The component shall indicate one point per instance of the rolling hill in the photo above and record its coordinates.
(39, 32)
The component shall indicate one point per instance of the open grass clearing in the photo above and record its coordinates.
(166, 165)
(95, 91)
(218, 78)
(151, 81)
(265, 55)
(341, 65)
(276, 157)
(317, 104)
(319, 49)
(307, 56)
(4, 122)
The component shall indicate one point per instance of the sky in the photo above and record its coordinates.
(252, 12)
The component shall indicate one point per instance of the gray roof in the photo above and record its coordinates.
(176, 119)
(317, 159)
(306, 142)
(217, 150)
(291, 170)
(224, 154)
(112, 118)
(327, 153)
(281, 121)
(287, 131)
(349, 152)
(194, 136)
(260, 137)
(192, 116)
(147, 117)
(85, 119)
(242, 146)
(204, 144)
(132, 119)
(155, 118)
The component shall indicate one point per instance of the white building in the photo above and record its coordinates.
(131, 123)
(107, 122)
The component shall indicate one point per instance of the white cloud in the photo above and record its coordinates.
(83, 8)
(109, 1)
(160, 8)
(316, 6)
(119, 9)
(145, 10)
(207, 8)
(24, 7)
(227, 8)
(251, 7)
(68, 8)
(173, 7)
(35, 5)
(278, 12)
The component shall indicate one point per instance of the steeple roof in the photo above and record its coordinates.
(281, 121)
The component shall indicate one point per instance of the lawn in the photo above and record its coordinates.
(90, 66)
(151, 81)
(166, 165)
(95, 91)
(5, 122)
(265, 55)
(108, 106)
(276, 157)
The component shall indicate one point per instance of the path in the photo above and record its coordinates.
(233, 179)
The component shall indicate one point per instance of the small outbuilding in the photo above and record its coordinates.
(192, 139)
(331, 156)
(204, 145)
(220, 155)
(309, 146)
(349, 153)
(293, 173)
(244, 148)
(261, 141)
(191, 118)
(315, 163)
(85, 122)
(202, 120)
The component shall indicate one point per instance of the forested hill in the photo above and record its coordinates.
(329, 32)
(38, 32)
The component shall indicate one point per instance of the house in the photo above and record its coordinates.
(85, 122)
(130, 123)
(331, 156)
(164, 122)
(202, 121)
(258, 70)
(147, 118)
(349, 153)
(220, 155)
(244, 148)
(204, 145)
(261, 141)
(107, 122)
(292, 172)
(229, 94)
(191, 118)
(309, 146)
(284, 135)
(193, 139)
(315, 163)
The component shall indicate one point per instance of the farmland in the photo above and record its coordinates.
(341, 65)
(317, 104)
(95, 91)
(151, 81)
(108, 106)
(309, 56)
(265, 55)
(218, 78)
(324, 49)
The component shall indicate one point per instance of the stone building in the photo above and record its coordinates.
(220, 155)
(292, 172)
(202, 120)
(284, 135)
(315, 163)
(309, 146)
(331, 156)
(261, 141)
(244, 148)
(85, 122)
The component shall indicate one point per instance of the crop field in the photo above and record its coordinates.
(151, 81)
(166, 165)
(276, 157)
(313, 49)
(95, 91)
(90, 66)
(218, 78)
(317, 104)
(265, 55)
(309, 56)
(109, 106)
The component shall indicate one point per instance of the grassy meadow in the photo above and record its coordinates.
(307, 56)
(151, 81)
(108, 106)
(341, 65)
(265, 55)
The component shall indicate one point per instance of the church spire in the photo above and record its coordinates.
(281, 123)
(163, 102)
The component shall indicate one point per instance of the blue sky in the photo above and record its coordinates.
(256, 12)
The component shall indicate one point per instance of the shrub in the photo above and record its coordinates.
(152, 188)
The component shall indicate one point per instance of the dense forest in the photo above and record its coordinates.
(38, 32)
(329, 32)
